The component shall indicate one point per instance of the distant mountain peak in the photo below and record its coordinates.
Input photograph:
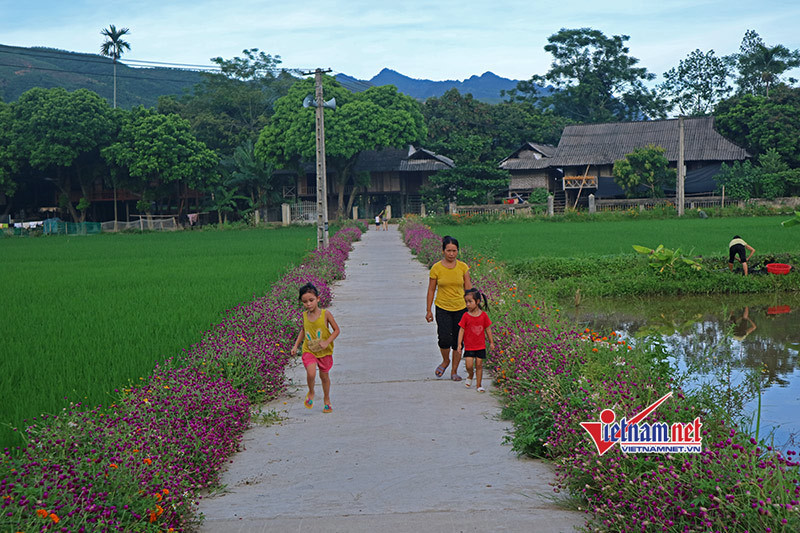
(485, 87)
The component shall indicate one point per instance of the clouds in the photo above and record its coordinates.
(439, 40)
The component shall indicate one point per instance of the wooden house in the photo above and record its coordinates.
(529, 167)
(582, 162)
(396, 176)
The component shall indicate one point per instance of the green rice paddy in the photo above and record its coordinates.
(520, 239)
(84, 316)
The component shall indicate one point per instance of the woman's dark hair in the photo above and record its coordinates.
(478, 295)
(449, 240)
(736, 237)
(308, 287)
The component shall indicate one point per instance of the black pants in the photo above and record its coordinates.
(447, 327)
(737, 249)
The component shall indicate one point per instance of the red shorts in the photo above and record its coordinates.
(324, 363)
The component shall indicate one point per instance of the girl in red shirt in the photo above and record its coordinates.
(475, 328)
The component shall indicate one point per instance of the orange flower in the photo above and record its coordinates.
(158, 497)
(113, 465)
(165, 491)
(159, 510)
(152, 516)
(594, 349)
(42, 513)
(147, 461)
(54, 517)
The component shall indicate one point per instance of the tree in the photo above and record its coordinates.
(761, 66)
(470, 131)
(377, 118)
(61, 132)
(114, 46)
(472, 184)
(254, 177)
(759, 123)
(644, 167)
(697, 83)
(594, 79)
(154, 150)
(231, 107)
(8, 160)
(770, 179)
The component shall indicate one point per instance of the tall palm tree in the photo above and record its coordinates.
(113, 47)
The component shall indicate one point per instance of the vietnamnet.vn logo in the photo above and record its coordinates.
(635, 436)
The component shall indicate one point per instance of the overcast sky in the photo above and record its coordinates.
(433, 40)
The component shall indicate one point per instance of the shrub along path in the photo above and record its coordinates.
(402, 450)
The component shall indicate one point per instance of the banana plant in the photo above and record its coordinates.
(792, 221)
(662, 258)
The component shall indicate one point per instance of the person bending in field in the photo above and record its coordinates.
(475, 328)
(317, 335)
(737, 247)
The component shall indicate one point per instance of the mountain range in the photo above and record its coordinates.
(485, 87)
(24, 68)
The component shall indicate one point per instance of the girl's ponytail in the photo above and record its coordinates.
(478, 295)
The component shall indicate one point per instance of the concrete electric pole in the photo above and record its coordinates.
(322, 180)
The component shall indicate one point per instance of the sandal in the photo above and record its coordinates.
(455, 377)
(440, 370)
(327, 408)
(309, 402)
(481, 389)
(468, 382)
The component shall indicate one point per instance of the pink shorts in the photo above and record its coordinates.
(324, 363)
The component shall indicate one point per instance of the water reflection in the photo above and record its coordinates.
(755, 337)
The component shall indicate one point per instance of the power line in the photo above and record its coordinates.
(95, 59)
(96, 74)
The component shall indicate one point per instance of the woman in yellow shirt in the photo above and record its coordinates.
(449, 278)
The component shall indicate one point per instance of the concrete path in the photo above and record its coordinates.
(402, 450)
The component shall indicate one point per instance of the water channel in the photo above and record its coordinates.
(744, 338)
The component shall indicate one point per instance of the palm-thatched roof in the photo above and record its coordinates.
(408, 160)
(389, 160)
(603, 144)
(529, 156)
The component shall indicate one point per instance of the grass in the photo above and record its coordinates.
(510, 239)
(87, 315)
(595, 257)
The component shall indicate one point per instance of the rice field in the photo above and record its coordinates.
(511, 240)
(84, 316)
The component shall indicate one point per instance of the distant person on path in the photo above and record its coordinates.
(378, 221)
(317, 341)
(385, 220)
(449, 278)
(737, 247)
(475, 329)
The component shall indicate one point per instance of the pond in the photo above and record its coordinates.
(747, 339)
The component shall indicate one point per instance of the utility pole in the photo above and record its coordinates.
(680, 200)
(322, 180)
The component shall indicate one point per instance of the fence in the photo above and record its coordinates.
(625, 204)
(154, 223)
(58, 227)
(498, 209)
(304, 212)
(650, 203)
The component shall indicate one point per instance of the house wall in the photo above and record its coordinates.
(527, 181)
